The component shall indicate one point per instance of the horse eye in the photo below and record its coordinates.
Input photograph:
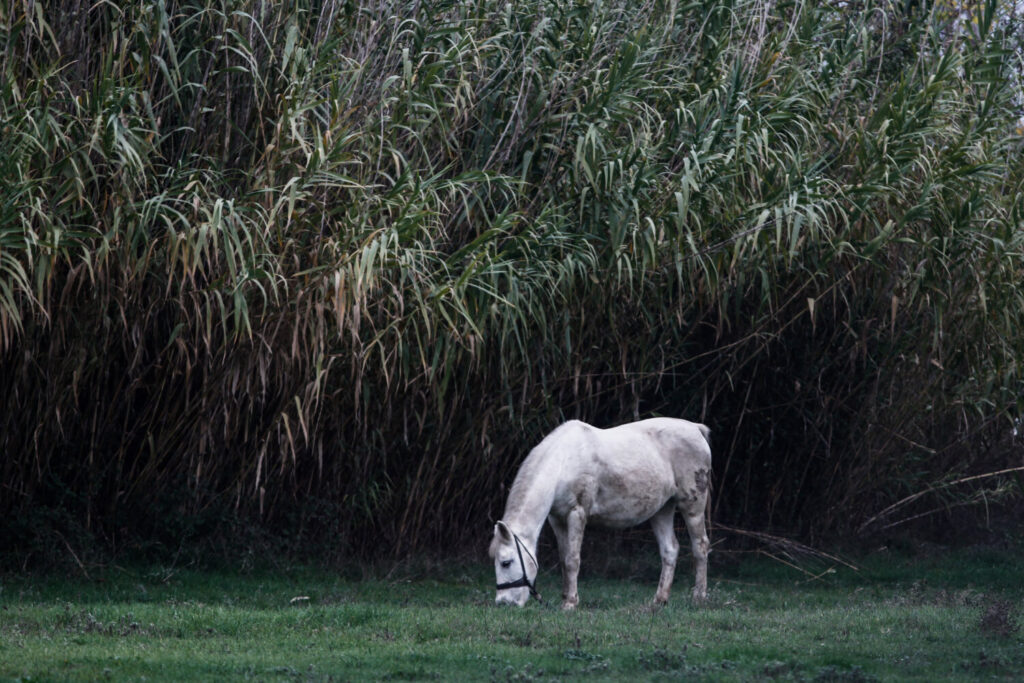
(506, 564)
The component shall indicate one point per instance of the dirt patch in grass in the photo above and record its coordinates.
(921, 593)
(999, 620)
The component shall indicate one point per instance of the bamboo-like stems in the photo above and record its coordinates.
(338, 267)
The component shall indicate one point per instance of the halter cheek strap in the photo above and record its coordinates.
(522, 581)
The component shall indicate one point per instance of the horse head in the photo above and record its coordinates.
(515, 567)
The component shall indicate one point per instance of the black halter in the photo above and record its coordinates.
(523, 581)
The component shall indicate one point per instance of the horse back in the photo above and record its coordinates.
(625, 474)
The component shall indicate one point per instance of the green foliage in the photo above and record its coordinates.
(893, 619)
(257, 254)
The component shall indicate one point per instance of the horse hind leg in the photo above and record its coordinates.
(693, 515)
(662, 524)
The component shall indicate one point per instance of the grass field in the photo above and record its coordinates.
(934, 617)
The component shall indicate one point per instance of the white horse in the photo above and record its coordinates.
(616, 478)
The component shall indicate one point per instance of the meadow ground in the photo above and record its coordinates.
(941, 616)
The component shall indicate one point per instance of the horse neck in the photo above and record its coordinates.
(530, 501)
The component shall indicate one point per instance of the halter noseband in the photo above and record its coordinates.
(523, 581)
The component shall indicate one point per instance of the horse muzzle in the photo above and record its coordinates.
(515, 597)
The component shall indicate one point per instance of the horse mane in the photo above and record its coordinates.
(523, 485)
(523, 482)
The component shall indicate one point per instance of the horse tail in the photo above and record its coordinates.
(707, 510)
(705, 431)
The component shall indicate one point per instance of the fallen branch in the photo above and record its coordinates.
(70, 550)
(938, 487)
(786, 544)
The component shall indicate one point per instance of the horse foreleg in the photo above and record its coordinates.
(699, 545)
(561, 530)
(662, 524)
(570, 540)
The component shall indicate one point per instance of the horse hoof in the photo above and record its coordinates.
(652, 607)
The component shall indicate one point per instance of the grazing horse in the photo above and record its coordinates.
(617, 478)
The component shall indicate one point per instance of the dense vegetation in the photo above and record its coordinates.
(330, 269)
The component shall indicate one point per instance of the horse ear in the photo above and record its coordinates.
(501, 529)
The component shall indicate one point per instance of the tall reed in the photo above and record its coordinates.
(336, 267)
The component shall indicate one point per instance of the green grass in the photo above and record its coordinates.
(937, 618)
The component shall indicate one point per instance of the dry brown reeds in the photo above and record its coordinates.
(334, 267)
